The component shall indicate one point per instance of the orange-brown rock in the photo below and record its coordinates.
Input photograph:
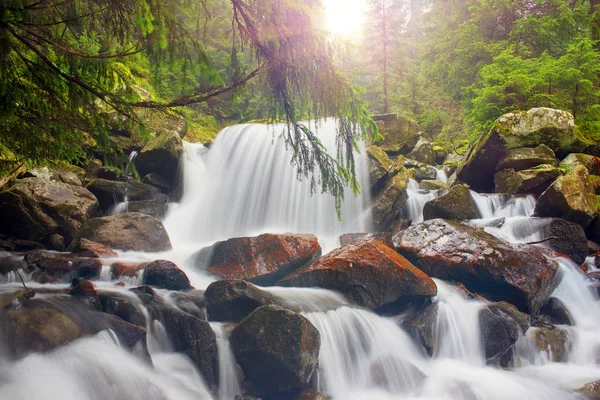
(369, 273)
(88, 248)
(262, 259)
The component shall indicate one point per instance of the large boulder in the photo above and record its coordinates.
(527, 157)
(355, 238)
(552, 340)
(189, 334)
(277, 349)
(60, 265)
(68, 174)
(42, 324)
(518, 273)
(432, 184)
(532, 180)
(379, 165)
(554, 128)
(557, 313)
(501, 325)
(420, 170)
(369, 273)
(570, 197)
(423, 152)
(87, 248)
(36, 208)
(400, 133)
(456, 203)
(161, 155)
(388, 204)
(422, 327)
(233, 300)
(591, 163)
(111, 192)
(128, 231)
(164, 274)
(262, 259)
(565, 237)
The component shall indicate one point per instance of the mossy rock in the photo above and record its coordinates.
(457, 203)
(533, 180)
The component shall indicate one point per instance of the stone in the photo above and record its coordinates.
(111, 174)
(56, 242)
(233, 300)
(277, 349)
(423, 152)
(553, 341)
(161, 156)
(590, 391)
(553, 128)
(570, 197)
(534, 180)
(155, 208)
(154, 179)
(371, 274)
(121, 269)
(591, 163)
(110, 193)
(456, 203)
(557, 312)
(400, 134)
(189, 335)
(422, 327)
(164, 274)
(36, 208)
(262, 259)
(355, 238)
(500, 330)
(379, 164)
(126, 306)
(87, 248)
(60, 265)
(521, 158)
(566, 237)
(85, 291)
(388, 204)
(420, 171)
(191, 302)
(128, 231)
(428, 184)
(518, 273)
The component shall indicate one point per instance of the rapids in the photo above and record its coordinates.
(244, 185)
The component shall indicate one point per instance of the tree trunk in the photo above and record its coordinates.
(595, 10)
(385, 57)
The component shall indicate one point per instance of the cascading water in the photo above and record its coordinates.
(417, 197)
(244, 185)
(123, 206)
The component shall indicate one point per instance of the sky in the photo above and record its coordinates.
(344, 17)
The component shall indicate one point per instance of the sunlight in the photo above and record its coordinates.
(344, 17)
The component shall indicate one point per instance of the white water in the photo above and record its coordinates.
(243, 186)
(417, 197)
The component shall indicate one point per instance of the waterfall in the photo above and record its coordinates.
(245, 185)
(417, 197)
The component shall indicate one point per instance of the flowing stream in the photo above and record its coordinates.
(245, 185)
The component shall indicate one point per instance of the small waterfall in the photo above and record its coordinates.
(245, 185)
(229, 386)
(503, 205)
(122, 206)
(440, 175)
(417, 197)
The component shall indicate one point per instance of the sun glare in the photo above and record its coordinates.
(344, 17)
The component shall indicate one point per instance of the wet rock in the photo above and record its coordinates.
(501, 326)
(590, 391)
(190, 302)
(567, 238)
(277, 349)
(161, 155)
(159, 182)
(400, 133)
(233, 300)
(36, 208)
(423, 152)
(517, 273)
(311, 394)
(68, 174)
(110, 193)
(111, 174)
(395, 374)
(56, 242)
(570, 197)
(189, 335)
(535, 180)
(156, 208)
(421, 326)
(42, 324)
(13, 244)
(522, 158)
(456, 203)
(379, 165)
(84, 290)
(355, 238)
(87, 248)
(121, 269)
(591, 163)
(554, 341)
(428, 184)
(164, 274)
(421, 170)
(128, 231)
(369, 273)
(557, 312)
(60, 265)
(261, 259)
(123, 305)
(389, 202)
(553, 128)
